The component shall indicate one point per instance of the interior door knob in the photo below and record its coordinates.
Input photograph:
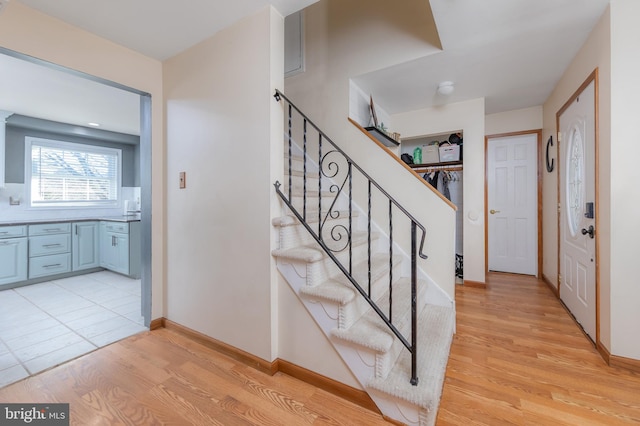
(492, 211)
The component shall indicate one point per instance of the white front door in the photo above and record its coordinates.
(512, 202)
(577, 209)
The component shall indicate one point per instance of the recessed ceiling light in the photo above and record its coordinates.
(94, 124)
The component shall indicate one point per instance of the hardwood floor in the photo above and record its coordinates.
(517, 359)
(163, 378)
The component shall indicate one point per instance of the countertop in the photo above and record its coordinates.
(121, 218)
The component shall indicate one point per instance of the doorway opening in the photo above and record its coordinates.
(64, 92)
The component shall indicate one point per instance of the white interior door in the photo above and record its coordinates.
(512, 200)
(577, 217)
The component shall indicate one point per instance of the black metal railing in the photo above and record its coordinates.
(336, 186)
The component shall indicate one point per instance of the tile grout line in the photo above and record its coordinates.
(62, 288)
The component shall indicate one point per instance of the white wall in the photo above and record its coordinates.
(343, 40)
(625, 173)
(514, 121)
(610, 48)
(32, 33)
(468, 116)
(222, 130)
(595, 53)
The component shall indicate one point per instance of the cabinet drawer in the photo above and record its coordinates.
(49, 265)
(122, 228)
(49, 244)
(13, 231)
(49, 228)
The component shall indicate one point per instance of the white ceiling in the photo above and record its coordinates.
(158, 28)
(511, 52)
(34, 90)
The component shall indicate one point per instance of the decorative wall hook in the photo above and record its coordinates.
(549, 165)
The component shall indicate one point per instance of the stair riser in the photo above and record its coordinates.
(312, 202)
(318, 272)
(297, 235)
(297, 164)
(297, 183)
(403, 324)
(351, 312)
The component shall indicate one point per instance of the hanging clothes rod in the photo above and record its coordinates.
(428, 169)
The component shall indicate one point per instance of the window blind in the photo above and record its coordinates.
(64, 173)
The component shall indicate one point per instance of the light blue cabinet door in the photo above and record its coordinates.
(13, 260)
(121, 255)
(85, 248)
(114, 247)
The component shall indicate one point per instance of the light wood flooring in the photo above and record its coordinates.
(517, 359)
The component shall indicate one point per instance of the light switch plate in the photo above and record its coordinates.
(183, 180)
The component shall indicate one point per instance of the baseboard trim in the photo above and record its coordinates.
(346, 392)
(156, 324)
(626, 363)
(604, 353)
(548, 282)
(232, 352)
(475, 284)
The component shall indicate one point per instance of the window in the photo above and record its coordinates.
(64, 174)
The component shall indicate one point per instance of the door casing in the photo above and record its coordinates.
(538, 133)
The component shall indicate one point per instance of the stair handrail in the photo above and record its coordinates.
(415, 225)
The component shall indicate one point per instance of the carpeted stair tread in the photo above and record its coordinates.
(370, 331)
(331, 290)
(435, 325)
(313, 252)
(304, 253)
(379, 267)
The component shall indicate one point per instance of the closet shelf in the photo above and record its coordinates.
(382, 137)
(445, 163)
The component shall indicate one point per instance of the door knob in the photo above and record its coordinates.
(591, 231)
(492, 211)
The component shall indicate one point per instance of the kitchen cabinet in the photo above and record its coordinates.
(85, 245)
(49, 249)
(13, 254)
(120, 247)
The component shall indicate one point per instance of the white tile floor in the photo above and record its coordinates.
(46, 324)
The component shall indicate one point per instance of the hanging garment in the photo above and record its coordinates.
(445, 186)
(432, 178)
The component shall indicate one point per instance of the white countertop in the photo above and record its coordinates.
(121, 218)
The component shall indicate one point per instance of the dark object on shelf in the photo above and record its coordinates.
(381, 136)
(459, 271)
(455, 138)
(407, 158)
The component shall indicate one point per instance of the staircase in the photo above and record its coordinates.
(390, 323)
